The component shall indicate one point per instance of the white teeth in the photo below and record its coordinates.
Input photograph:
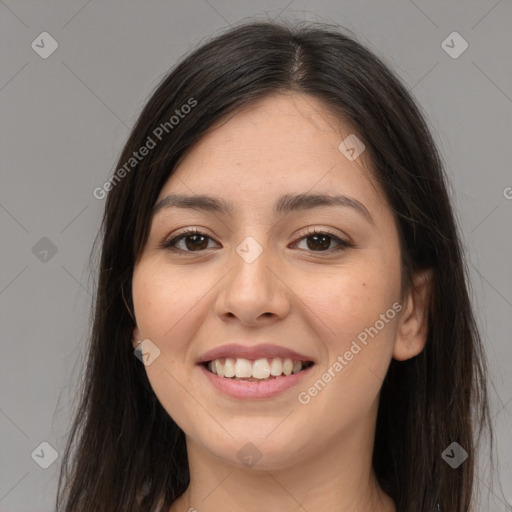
(276, 367)
(219, 367)
(287, 366)
(259, 369)
(243, 368)
(229, 367)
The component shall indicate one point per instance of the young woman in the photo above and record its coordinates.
(280, 254)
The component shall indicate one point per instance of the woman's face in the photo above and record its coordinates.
(258, 284)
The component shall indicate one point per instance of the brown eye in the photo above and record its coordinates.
(196, 242)
(320, 241)
(193, 241)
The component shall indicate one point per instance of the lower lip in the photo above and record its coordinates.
(253, 389)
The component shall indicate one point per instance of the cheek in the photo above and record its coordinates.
(164, 311)
(162, 300)
(345, 303)
(355, 314)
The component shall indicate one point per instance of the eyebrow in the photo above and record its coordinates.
(285, 204)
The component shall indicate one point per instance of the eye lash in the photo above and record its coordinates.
(168, 243)
(342, 244)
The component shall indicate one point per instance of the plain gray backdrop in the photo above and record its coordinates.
(66, 114)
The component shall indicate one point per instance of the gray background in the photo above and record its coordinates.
(65, 118)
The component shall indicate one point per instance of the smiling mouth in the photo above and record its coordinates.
(264, 369)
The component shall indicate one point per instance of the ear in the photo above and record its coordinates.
(136, 338)
(413, 324)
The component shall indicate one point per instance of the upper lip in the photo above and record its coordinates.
(264, 350)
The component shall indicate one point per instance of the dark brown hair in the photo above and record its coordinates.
(124, 451)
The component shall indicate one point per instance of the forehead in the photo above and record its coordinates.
(286, 143)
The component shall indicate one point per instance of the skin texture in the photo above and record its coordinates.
(315, 455)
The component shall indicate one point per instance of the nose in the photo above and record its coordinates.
(254, 290)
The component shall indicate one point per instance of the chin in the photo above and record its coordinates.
(260, 452)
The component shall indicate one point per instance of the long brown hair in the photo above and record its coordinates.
(124, 451)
